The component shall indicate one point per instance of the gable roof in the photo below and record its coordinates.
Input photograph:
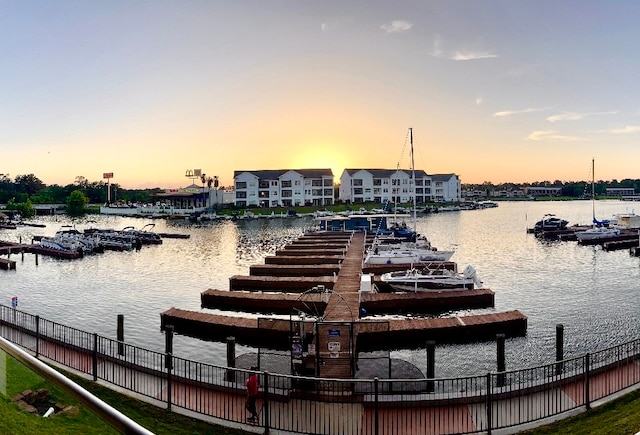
(274, 174)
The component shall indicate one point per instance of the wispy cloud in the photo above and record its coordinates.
(574, 116)
(459, 55)
(479, 101)
(396, 26)
(626, 129)
(551, 136)
(506, 113)
(473, 55)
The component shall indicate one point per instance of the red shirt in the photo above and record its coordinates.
(252, 385)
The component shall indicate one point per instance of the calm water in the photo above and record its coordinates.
(594, 294)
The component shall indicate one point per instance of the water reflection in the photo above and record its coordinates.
(593, 293)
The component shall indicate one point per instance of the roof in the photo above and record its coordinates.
(387, 173)
(274, 174)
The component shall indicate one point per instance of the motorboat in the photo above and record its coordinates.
(550, 222)
(432, 279)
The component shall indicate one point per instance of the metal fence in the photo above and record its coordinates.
(310, 405)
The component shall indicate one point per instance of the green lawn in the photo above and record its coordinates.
(80, 420)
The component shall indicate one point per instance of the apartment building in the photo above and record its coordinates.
(284, 188)
(395, 186)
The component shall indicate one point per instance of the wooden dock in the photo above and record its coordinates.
(339, 307)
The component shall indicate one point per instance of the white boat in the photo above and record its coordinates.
(432, 279)
(406, 256)
(597, 233)
(416, 251)
(600, 230)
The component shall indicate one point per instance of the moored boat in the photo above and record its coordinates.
(432, 279)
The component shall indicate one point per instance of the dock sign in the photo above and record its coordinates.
(14, 301)
(334, 333)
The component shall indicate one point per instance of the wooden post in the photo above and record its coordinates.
(168, 344)
(36, 259)
(431, 365)
(559, 348)
(231, 358)
(500, 359)
(120, 334)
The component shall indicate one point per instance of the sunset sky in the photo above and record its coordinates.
(494, 90)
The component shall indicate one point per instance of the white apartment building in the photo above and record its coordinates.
(284, 188)
(395, 186)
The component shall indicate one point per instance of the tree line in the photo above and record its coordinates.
(23, 191)
(576, 189)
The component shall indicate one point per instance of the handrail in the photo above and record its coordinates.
(109, 414)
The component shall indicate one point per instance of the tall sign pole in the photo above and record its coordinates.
(108, 176)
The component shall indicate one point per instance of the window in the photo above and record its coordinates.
(286, 183)
(241, 185)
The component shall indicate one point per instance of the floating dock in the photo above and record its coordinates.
(341, 306)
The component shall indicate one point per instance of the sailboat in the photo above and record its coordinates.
(417, 251)
(601, 229)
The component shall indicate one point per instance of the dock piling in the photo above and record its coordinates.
(168, 344)
(559, 348)
(120, 334)
(431, 365)
(500, 348)
(231, 358)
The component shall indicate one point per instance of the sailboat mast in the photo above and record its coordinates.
(413, 181)
(593, 189)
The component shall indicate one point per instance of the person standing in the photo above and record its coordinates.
(252, 395)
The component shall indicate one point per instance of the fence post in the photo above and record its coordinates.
(559, 349)
(94, 357)
(37, 336)
(169, 366)
(265, 405)
(376, 381)
(587, 399)
(168, 342)
(489, 405)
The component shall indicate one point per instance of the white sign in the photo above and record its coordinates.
(333, 346)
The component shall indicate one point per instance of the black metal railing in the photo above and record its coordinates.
(312, 405)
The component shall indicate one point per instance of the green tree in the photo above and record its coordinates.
(25, 209)
(76, 203)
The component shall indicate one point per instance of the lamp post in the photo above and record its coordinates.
(203, 178)
(215, 186)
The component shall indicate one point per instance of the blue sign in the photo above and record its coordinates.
(334, 333)
(14, 301)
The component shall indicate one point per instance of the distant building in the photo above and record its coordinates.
(284, 188)
(543, 191)
(395, 186)
(620, 191)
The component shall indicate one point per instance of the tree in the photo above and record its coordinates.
(29, 184)
(76, 203)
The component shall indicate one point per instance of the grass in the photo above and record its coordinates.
(80, 420)
(621, 416)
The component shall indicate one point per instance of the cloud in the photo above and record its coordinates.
(396, 26)
(574, 116)
(550, 135)
(626, 129)
(458, 54)
(478, 101)
(473, 56)
(505, 113)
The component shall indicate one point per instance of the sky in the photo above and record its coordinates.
(494, 91)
